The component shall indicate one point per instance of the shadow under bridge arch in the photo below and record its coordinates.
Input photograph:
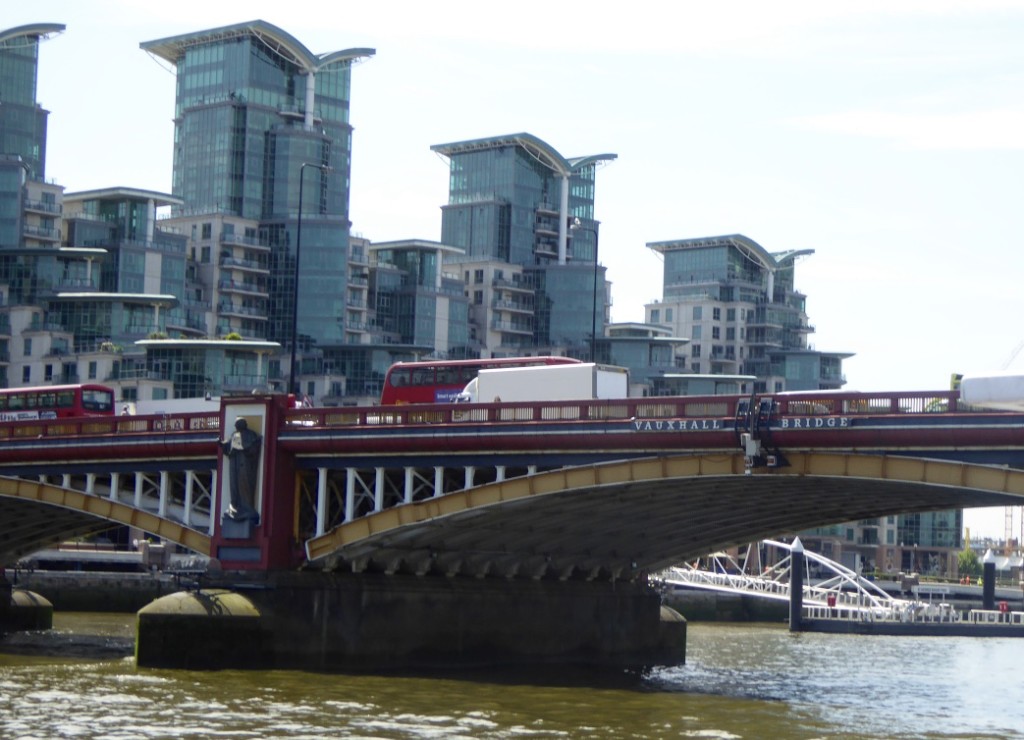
(35, 515)
(620, 519)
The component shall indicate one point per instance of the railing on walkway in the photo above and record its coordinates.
(765, 574)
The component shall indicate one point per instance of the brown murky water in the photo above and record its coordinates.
(741, 681)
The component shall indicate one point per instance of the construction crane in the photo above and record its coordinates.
(1013, 356)
(1008, 513)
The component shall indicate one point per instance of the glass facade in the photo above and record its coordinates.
(12, 186)
(505, 205)
(566, 303)
(738, 305)
(22, 121)
(497, 200)
(242, 137)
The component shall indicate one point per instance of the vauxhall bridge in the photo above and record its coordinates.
(485, 498)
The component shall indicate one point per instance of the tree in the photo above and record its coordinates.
(967, 563)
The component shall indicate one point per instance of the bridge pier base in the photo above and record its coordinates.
(23, 610)
(363, 622)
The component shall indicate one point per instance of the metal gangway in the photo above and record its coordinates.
(765, 574)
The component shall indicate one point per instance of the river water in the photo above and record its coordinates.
(740, 681)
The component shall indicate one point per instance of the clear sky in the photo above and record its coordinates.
(886, 136)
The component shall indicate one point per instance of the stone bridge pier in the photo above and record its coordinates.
(256, 609)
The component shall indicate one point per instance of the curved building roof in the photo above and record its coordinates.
(32, 31)
(119, 192)
(750, 249)
(173, 48)
(540, 150)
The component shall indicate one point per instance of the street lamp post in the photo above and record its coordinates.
(293, 379)
(576, 225)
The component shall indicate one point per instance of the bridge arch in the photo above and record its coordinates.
(620, 519)
(40, 514)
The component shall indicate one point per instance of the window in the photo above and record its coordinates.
(715, 331)
(655, 315)
(698, 313)
(207, 230)
(730, 314)
(48, 373)
(92, 370)
(694, 350)
(730, 334)
(668, 314)
(698, 330)
(478, 276)
(716, 314)
(26, 374)
(205, 258)
(478, 297)
(27, 347)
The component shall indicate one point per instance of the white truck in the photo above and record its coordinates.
(575, 382)
(1002, 390)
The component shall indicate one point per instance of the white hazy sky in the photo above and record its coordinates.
(885, 136)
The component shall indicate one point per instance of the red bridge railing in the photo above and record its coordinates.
(815, 403)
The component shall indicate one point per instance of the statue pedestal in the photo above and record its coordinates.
(236, 529)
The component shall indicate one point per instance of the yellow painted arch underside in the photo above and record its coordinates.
(986, 478)
(105, 508)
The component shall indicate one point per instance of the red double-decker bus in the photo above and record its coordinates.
(56, 402)
(440, 381)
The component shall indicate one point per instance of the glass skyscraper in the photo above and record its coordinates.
(514, 201)
(22, 119)
(262, 129)
(738, 305)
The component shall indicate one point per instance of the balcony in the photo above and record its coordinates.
(63, 379)
(512, 306)
(41, 233)
(512, 285)
(507, 326)
(228, 309)
(243, 382)
(76, 285)
(233, 263)
(247, 241)
(45, 325)
(246, 288)
(49, 209)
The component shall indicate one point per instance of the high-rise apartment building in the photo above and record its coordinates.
(738, 305)
(93, 287)
(262, 154)
(523, 215)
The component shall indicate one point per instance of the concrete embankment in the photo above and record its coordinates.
(95, 591)
(698, 605)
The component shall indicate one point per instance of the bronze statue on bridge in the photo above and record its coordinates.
(243, 452)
